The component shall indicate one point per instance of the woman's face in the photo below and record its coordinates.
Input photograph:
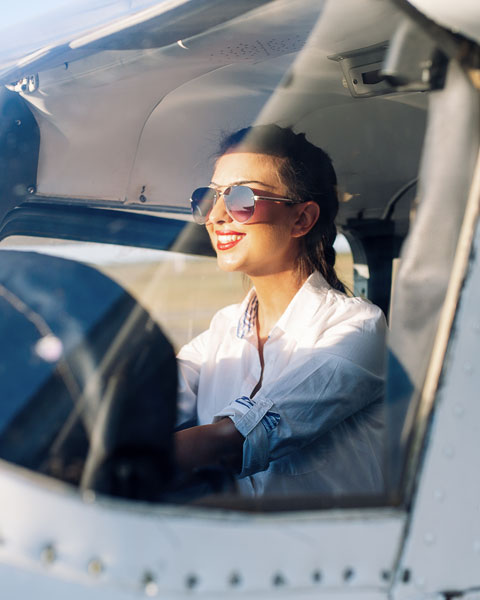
(266, 244)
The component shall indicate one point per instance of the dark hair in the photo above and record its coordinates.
(308, 174)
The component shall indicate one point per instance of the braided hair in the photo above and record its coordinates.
(308, 174)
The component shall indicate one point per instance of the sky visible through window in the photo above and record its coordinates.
(28, 26)
(13, 13)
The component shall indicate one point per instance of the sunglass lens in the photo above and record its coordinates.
(201, 202)
(240, 202)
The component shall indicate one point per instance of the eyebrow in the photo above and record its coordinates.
(242, 182)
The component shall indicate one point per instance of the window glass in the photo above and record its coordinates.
(182, 292)
(133, 126)
(344, 261)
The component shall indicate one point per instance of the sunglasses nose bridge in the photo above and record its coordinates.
(218, 213)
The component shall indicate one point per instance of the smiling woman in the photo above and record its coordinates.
(110, 115)
(286, 387)
(265, 241)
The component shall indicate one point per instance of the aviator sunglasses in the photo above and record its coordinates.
(240, 202)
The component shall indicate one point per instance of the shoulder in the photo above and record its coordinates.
(223, 322)
(355, 310)
(347, 328)
(333, 307)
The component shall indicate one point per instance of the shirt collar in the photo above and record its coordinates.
(248, 315)
(302, 306)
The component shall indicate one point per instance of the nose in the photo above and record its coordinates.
(218, 213)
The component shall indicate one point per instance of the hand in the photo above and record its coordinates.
(218, 444)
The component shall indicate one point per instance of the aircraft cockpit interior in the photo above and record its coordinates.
(112, 113)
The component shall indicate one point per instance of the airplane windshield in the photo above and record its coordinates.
(223, 247)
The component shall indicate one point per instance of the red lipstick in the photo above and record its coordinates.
(228, 239)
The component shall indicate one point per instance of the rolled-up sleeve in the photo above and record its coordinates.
(295, 411)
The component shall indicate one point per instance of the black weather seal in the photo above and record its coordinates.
(121, 227)
(311, 502)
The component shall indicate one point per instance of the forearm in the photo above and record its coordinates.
(217, 444)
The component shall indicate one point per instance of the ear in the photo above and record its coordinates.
(307, 216)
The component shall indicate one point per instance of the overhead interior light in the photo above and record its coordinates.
(362, 70)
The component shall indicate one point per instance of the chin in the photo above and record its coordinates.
(228, 266)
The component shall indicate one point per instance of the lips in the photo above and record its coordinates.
(228, 239)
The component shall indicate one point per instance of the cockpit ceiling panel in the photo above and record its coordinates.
(461, 16)
(92, 112)
(139, 128)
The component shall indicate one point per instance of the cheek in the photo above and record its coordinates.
(273, 221)
(269, 238)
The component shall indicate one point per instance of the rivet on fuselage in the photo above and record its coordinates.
(406, 576)
(48, 554)
(317, 576)
(191, 581)
(95, 567)
(278, 580)
(235, 579)
(150, 585)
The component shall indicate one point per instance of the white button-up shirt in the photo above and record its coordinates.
(316, 423)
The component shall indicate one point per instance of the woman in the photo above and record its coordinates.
(287, 386)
